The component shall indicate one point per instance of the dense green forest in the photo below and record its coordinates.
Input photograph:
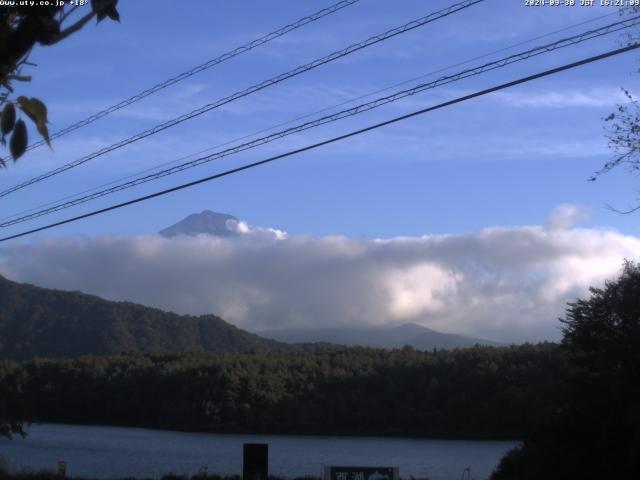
(54, 323)
(478, 392)
(594, 430)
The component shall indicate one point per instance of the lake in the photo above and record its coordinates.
(115, 452)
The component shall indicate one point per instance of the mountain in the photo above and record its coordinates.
(208, 222)
(411, 334)
(38, 321)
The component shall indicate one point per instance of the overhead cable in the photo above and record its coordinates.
(248, 91)
(518, 57)
(199, 68)
(307, 115)
(332, 140)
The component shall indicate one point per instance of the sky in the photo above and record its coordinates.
(477, 218)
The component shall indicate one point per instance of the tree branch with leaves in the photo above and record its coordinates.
(623, 125)
(623, 132)
(21, 29)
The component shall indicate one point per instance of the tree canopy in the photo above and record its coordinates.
(481, 392)
(594, 431)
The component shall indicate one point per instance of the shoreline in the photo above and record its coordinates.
(231, 433)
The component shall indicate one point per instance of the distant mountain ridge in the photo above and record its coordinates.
(205, 222)
(38, 321)
(410, 334)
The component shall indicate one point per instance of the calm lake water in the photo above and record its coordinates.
(113, 452)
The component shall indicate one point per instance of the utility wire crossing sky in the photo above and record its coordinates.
(612, 28)
(57, 205)
(335, 139)
(407, 27)
(199, 68)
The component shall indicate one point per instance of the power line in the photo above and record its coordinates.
(334, 139)
(257, 87)
(307, 115)
(199, 68)
(518, 57)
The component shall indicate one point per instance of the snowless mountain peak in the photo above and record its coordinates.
(207, 222)
(217, 224)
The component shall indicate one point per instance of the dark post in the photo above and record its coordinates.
(255, 465)
(62, 468)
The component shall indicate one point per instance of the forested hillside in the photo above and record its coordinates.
(53, 323)
(478, 392)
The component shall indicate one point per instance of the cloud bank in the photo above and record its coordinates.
(504, 283)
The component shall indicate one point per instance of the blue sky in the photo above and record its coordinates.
(474, 219)
(507, 159)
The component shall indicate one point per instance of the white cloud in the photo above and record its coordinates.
(507, 283)
(521, 146)
(594, 98)
(566, 215)
(241, 227)
(419, 289)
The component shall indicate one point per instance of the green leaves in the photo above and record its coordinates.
(8, 118)
(37, 112)
(18, 144)
(33, 108)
